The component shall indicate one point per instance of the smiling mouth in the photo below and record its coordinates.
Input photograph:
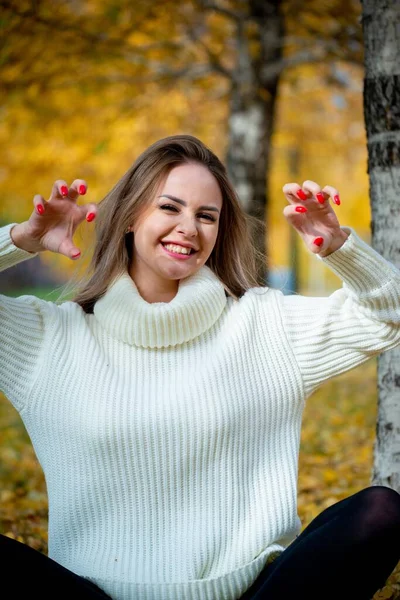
(178, 250)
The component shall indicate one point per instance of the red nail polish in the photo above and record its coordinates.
(64, 190)
(300, 194)
(336, 199)
(90, 217)
(40, 209)
(300, 209)
(76, 255)
(318, 241)
(82, 190)
(320, 197)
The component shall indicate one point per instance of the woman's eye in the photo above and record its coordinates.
(206, 216)
(174, 209)
(168, 207)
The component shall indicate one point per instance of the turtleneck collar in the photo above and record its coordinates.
(128, 317)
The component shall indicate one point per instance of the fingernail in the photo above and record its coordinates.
(300, 209)
(76, 255)
(64, 190)
(82, 190)
(300, 194)
(336, 199)
(318, 241)
(40, 209)
(320, 197)
(90, 217)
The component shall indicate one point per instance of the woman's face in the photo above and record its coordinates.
(175, 235)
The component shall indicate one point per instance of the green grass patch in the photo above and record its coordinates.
(45, 293)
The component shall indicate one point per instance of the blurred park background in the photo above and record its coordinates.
(87, 85)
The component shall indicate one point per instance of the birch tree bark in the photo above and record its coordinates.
(252, 108)
(381, 31)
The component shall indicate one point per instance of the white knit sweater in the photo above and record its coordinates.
(169, 433)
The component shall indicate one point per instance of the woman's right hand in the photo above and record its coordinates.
(53, 223)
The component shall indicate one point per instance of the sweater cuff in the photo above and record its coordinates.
(9, 253)
(359, 266)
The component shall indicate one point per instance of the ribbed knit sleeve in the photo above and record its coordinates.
(21, 329)
(333, 334)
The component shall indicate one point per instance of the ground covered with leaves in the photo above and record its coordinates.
(335, 460)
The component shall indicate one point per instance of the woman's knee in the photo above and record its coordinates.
(379, 509)
(380, 496)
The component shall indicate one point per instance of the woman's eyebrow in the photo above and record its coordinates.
(175, 199)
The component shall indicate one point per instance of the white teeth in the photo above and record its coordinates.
(177, 249)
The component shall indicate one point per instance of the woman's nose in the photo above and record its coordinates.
(187, 226)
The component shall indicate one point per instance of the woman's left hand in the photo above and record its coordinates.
(311, 214)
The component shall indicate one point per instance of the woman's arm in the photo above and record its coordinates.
(24, 321)
(333, 334)
(22, 328)
(330, 335)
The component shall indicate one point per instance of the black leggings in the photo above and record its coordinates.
(347, 551)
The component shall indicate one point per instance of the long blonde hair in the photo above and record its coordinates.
(234, 259)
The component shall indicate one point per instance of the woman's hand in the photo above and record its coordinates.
(311, 214)
(53, 223)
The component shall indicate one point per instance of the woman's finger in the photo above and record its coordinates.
(333, 193)
(317, 244)
(295, 213)
(59, 190)
(77, 188)
(68, 249)
(313, 188)
(39, 203)
(294, 192)
(89, 212)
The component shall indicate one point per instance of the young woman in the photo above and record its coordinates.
(164, 401)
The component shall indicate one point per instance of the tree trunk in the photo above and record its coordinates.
(381, 30)
(252, 109)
